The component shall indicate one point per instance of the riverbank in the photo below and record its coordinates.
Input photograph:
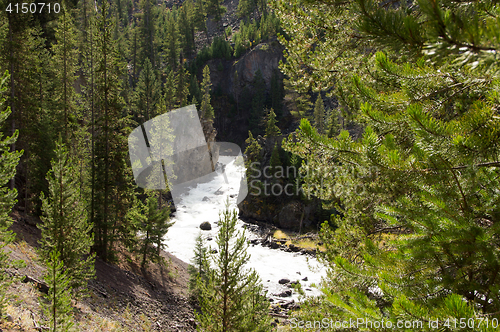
(121, 297)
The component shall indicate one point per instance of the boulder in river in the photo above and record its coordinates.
(284, 281)
(286, 293)
(205, 226)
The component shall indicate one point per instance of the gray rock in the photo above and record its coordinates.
(284, 281)
(206, 199)
(305, 279)
(286, 293)
(205, 226)
(291, 215)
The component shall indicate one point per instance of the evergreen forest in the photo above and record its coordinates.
(387, 111)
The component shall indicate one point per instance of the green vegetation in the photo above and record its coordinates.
(409, 193)
(65, 229)
(271, 128)
(152, 222)
(7, 199)
(198, 269)
(319, 115)
(58, 308)
(423, 82)
(231, 297)
(206, 109)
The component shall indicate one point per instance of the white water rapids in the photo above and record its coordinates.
(271, 264)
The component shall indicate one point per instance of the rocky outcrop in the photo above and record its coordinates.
(193, 163)
(295, 215)
(264, 57)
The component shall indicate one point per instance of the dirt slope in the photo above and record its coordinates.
(122, 298)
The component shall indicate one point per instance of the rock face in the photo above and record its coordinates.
(194, 155)
(291, 215)
(283, 211)
(264, 57)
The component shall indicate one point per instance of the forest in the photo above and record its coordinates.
(390, 109)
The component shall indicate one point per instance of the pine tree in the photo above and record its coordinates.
(272, 129)
(172, 43)
(200, 17)
(58, 308)
(425, 172)
(65, 228)
(215, 8)
(113, 193)
(257, 113)
(154, 224)
(275, 161)
(169, 90)
(182, 88)
(147, 32)
(253, 148)
(231, 298)
(333, 123)
(245, 8)
(186, 27)
(65, 60)
(197, 269)
(148, 92)
(319, 115)
(9, 161)
(207, 111)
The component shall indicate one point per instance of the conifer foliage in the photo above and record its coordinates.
(65, 228)
(231, 297)
(419, 190)
(198, 269)
(57, 307)
(207, 111)
(271, 128)
(319, 115)
(8, 162)
(154, 223)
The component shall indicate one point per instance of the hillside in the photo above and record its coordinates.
(121, 297)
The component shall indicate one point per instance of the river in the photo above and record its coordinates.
(201, 203)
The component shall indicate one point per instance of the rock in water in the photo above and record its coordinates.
(205, 226)
(286, 293)
(284, 281)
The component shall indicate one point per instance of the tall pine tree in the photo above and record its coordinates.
(232, 297)
(206, 109)
(65, 227)
(57, 308)
(148, 92)
(112, 177)
(9, 161)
